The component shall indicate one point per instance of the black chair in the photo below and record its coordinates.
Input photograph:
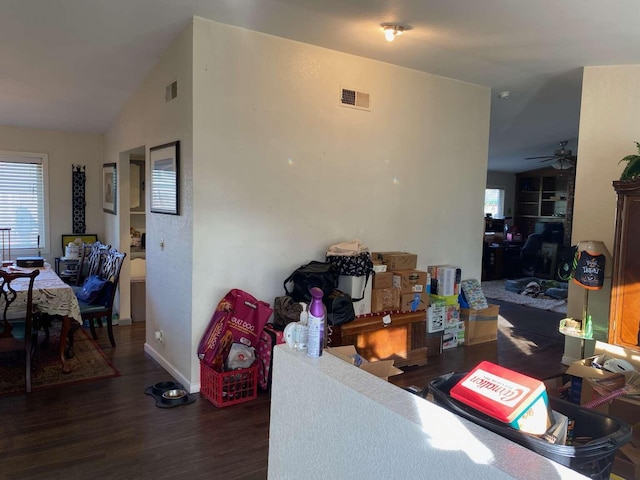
(16, 331)
(110, 266)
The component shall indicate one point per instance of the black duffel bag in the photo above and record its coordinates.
(314, 274)
(339, 308)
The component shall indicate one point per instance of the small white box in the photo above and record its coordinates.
(355, 286)
(436, 318)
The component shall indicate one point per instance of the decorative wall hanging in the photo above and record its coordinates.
(79, 179)
(109, 188)
(165, 178)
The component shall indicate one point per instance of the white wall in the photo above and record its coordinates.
(331, 420)
(64, 150)
(608, 129)
(280, 171)
(148, 120)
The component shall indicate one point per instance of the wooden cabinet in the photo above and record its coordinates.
(544, 195)
(624, 321)
(404, 339)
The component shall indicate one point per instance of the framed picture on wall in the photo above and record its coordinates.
(165, 178)
(109, 180)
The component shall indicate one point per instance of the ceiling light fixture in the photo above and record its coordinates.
(504, 95)
(391, 31)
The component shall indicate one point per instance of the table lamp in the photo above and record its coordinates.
(591, 267)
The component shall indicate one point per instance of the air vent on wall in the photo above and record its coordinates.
(354, 99)
(171, 91)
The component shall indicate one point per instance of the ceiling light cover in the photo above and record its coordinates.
(391, 31)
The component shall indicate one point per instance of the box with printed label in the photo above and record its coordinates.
(383, 280)
(357, 288)
(436, 316)
(385, 300)
(410, 281)
(453, 336)
(396, 260)
(413, 302)
(445, 279)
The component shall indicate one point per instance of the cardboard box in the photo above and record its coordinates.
(582, 374)
(355, 286)
(410, 281)
(481, 326)
(383, 280)
(382, 368)
(385, 300)
(397, 260)
(414, 302)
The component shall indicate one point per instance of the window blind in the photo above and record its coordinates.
(22, 199)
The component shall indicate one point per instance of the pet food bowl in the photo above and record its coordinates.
(162, 387)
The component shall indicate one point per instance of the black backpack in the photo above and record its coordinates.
(314, 274)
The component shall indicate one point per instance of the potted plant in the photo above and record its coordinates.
(632, 170)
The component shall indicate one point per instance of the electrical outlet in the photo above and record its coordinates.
(159, 336)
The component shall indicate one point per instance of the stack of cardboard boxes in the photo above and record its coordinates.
(443, 316)
(397, 284)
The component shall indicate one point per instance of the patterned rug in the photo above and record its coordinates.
(88, 363)
(495, 290)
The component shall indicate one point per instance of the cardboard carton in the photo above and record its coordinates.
(410, 281)
(383, 280)
(382, 368)
(481, 325)
(396, 260)
(453, 336)
(414, 302)
(583, 373)
(385, 300)
(445, 279)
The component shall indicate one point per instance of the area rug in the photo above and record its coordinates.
(495, 290)
(88, 363)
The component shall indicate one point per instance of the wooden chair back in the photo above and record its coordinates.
(12, 337)
(90, 257)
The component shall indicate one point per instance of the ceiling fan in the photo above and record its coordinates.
(563, 158)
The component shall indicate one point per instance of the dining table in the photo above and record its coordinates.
(53, 297)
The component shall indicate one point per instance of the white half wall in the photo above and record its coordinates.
(330, 419)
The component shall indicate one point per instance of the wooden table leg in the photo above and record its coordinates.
(66, 326)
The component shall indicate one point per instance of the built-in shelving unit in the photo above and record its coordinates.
(544, 195)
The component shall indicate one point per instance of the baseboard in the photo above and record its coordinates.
(174, 372)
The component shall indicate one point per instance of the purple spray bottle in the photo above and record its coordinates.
(317, 319)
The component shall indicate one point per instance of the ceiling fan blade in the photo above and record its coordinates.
(546, 157)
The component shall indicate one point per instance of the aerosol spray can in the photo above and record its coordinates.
(317, 319)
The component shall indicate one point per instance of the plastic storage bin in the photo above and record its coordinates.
(593, 458)
(228, 388)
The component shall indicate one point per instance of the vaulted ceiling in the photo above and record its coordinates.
(72, 64)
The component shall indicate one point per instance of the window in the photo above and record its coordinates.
(23, 180)
(494, 202)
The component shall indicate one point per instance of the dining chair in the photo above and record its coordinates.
(90, 256)
(16, 330)
(102, 308)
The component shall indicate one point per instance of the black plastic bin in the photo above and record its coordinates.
(593, 459)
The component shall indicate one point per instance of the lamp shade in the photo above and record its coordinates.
(590, 264)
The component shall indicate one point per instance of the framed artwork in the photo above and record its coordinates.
(86, 238)
(109, 188)
(165, 178)
(547, 262)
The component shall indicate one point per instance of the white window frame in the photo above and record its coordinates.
(43, 159)
(500, 213)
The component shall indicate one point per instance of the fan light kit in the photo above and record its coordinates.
(391, 31)
(563, 158)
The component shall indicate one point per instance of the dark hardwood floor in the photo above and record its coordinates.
(109, 429)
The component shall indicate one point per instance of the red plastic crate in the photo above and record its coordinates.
(228, 388)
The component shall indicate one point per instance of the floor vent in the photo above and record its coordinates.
(354, 99)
